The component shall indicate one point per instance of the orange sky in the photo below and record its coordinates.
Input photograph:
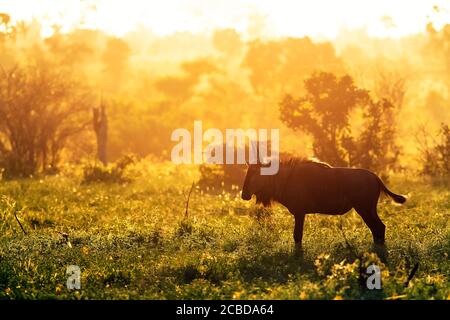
(323, 18)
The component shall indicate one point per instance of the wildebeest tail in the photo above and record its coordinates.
(396, 197)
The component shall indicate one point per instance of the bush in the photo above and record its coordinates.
(229, 177)
(215, 177)
(435, 158)
(41, 107)
(115, 173)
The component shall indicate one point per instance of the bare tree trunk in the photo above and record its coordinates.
(100, 122)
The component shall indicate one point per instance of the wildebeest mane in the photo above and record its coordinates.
(296, 161)
(272, 185)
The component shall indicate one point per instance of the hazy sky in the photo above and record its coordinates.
(323, 18)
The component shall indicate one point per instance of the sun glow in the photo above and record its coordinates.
(320, 18)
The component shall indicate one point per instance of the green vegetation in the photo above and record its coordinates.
(133, 241)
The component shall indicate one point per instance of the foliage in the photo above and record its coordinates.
(154, 85)
(375, 148)
(115, 173)
(40, 108)
(277, 66)
(325, 113)
(435, 158)
(439, 49)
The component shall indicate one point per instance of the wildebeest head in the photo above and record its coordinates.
(250, 182)
(256, 184)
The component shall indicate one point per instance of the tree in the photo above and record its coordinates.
(40, 108)
(435, 153)
(277, 66)
(438, 47)
(181, 88)
(227, 41)
(375, 147)
(100, 124)
(325, 112)
(391, 85)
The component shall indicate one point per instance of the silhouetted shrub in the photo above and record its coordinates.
(325, 111)
(115, 173)
(436, 158)
(41, 107)
(218, 177)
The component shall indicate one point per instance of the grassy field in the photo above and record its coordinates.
(133, 241)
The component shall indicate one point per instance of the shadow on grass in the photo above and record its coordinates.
(277, 266)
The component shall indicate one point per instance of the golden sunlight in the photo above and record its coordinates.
(321, 18)
(196, 149)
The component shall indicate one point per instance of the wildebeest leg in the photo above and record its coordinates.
(374, 223)
(380, 228)
(298, 230)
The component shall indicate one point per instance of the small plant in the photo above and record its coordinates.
(262, 215)
(185, 227)
(115, 173)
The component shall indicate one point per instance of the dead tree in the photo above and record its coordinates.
(100, 121)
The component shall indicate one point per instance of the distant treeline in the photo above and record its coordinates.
(365, 104)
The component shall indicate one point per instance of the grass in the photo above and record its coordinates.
(133, 241)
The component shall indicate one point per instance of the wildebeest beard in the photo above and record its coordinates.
(265, 195)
